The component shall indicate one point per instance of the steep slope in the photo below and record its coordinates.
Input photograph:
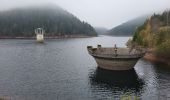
(127, 28)
(154, 35)
(55, 21)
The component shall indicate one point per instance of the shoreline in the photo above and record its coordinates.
(54, 37)
(153, 58)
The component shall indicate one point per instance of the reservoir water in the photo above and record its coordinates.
(62, 69)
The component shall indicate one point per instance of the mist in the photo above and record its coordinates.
(99, 13)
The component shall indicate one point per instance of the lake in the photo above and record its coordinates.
(62, 69)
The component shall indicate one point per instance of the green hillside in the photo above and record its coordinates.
(55, 21)
(155, 34)
(127, 28)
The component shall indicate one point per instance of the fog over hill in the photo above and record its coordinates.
(127, 28)
(101, 30)
(55, 20)
(101, 13)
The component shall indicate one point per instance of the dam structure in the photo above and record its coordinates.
(115, 58)
(40, 35)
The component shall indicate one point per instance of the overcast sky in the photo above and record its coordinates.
(99, 13)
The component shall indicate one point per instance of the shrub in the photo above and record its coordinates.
(163, 49)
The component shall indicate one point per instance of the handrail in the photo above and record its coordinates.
(117, 56)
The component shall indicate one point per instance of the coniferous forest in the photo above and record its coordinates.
(21, 22)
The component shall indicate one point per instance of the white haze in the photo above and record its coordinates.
(99, 13)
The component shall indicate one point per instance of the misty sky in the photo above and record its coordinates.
(99, 13)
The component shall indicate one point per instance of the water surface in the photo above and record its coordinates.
(61, 69)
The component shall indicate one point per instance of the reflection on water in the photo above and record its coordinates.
(126, 82)
(62, 69)
(122, 79)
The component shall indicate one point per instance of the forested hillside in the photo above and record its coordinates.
(155, 34)
(56, 22)
(127, 28)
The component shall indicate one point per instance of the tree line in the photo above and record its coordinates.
(55, 21)
(154, 34)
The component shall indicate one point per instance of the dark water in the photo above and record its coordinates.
(61, 69)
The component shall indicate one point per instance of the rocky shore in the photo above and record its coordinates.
(151, 56)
